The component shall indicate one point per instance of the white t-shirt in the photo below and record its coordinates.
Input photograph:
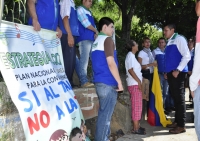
(65, 7)
(131, 62)
(145, 59)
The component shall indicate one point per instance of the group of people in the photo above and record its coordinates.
(176, 59)
(171, 58)
(74, 26)
(77, 26)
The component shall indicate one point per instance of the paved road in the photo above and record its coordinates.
(158, 133)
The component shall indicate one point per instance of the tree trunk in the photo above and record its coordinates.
(127, 7)
(126, 26)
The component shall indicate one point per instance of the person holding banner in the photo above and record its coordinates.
(44, 14)
(106, 77)
(177, 56)
(195, 77)
(134, 83)
(68, 23)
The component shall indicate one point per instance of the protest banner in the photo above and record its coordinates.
(32, 66)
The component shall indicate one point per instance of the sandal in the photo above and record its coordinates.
(139, 132)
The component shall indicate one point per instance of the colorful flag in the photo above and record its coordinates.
(156, 115)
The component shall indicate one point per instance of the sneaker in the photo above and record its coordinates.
(87, 84)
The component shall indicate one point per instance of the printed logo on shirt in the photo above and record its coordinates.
(94, 45)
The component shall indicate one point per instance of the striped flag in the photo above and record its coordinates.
(156, 115)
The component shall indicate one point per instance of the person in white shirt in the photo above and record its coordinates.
(146, 60)
(195, 77)
(68, 22)
(134, 83)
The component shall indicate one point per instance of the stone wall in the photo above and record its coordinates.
(88, 101)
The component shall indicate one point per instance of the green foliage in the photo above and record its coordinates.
(100, 10)
(15, 11)
(159, 12)
(138, 29)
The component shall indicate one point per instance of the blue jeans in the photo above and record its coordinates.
(85, 51)
(165, 92)
(107, 100)
(197, 111)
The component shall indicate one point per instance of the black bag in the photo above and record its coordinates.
(146, 73)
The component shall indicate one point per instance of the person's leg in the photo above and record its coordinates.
(164, 89)
(177, 90)
(197, 111)
(84, 49)
(171, 102)
(167, 97)
(136, 105)
(107, 100)
(77, 68)
(69, 57)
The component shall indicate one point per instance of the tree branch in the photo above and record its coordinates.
(118, 3)
(131, 11)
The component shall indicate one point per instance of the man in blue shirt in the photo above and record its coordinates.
(44, 14)
(87, 32)
(159, 56)
(177, 56)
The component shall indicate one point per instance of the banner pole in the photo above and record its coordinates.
(1, 10)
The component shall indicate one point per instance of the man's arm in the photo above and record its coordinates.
(184, 51)
(195, 77)
(197, 8)
(70, 38)
(82, 17)
(114, 70)
(109, 53)
(90, 27)
(65, 10)
(32, 12)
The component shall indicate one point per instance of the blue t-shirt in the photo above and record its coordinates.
(47, 14)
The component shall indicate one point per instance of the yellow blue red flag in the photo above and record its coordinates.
(156, 115)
